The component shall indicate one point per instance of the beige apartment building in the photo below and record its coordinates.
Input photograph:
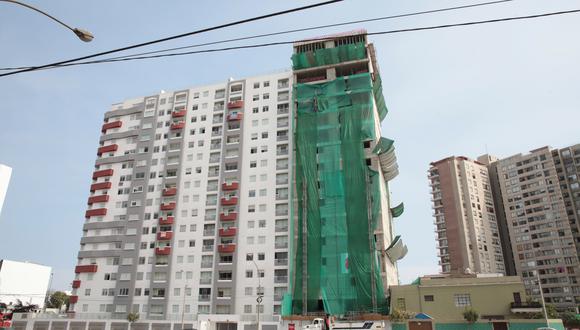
(567, 161)
(539, 225)
(467, 236)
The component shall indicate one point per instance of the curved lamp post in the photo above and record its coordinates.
(84, 35)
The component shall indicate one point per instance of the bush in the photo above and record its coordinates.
(132, 317)
(398, 315)
(470, 315)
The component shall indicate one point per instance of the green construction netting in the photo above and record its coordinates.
(336, 191)
(379, 97)
(383, 146)
(326, 56)
(398, 210)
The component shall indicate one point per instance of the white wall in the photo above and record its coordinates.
(25, 281)
(5, 173)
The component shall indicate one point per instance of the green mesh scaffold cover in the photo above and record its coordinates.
(326, 56)
(338, 199)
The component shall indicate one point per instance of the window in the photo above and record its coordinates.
(429, 297)
(462, 300)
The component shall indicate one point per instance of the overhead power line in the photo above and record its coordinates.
(247, 20)
(435, 27)
(297, 30)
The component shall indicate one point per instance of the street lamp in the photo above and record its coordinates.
(258, 294)
(84, 35)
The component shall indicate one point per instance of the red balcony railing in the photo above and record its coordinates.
(226, 248)
(229, 217)
(169, 191)
(109, 148)
(86, 269)
(164, 235)
(167, 206)
(178, 114)
(232, 186)
(98, 199)
(168, 221)
(73, 299)
(178, 125)
(228, 232)
(163, 251)
(236, 104)
(229, 201)
(95, 213)
(113, 124)
(76, 284)
(101, 186)
(235, 116)
(102, 173)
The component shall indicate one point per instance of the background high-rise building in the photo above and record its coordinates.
(26, 282)
(536, 202)
(5, 173)
(541, 237)
(465, 223)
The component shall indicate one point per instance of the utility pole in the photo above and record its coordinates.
(542, 297)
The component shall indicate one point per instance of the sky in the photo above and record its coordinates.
(503, 88)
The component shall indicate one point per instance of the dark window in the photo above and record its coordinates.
(429, 298)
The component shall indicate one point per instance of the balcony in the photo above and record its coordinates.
(95, 213)
(235, 116)
(169, 192)
(109, 148)
(86, 269)
(163, 251)
(98, 199)
(204, 297)
(113, 124)
(228, 232)
(281, 229)
(164, 235)
(280, 262)
(525, 307)
(280, 279)
(229, 216)
(102, 173)
(209, 232)
(178, 114)
(178, 125)
(165, 222)
(281, 245)
(205, 280)
(207, 264)
(236, 104)
(207, 248)
(76, 284)
(73, 299)
(227, 248)
(101, 186)
(167, 206)
(229, 201)
(231, 186)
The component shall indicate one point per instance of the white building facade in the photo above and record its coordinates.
(189, 205)
(5, 174)
(23, 281)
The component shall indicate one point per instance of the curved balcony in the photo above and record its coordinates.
(178, 125)
(95, 213)
(229, 216)
(98, 199)
(113, 124)
(86, 269)
(101, 186)
(165, 222)
(169, 192)
(235, 116)
(229, 201)
(231, 186)
(226, 248)
(102, 173)
(228, 232)
(178, 114)
(163, 251)
(73, 299)
(167, 206)
(109, 148)
(164, 235)
(76, 284)
(236, 104)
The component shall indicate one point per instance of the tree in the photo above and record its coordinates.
(132, 317)
(398, 315)
(570, 319)
(470, 315)
(57, 299)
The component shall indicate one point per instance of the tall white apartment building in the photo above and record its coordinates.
(189, 205)
(5, 173)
